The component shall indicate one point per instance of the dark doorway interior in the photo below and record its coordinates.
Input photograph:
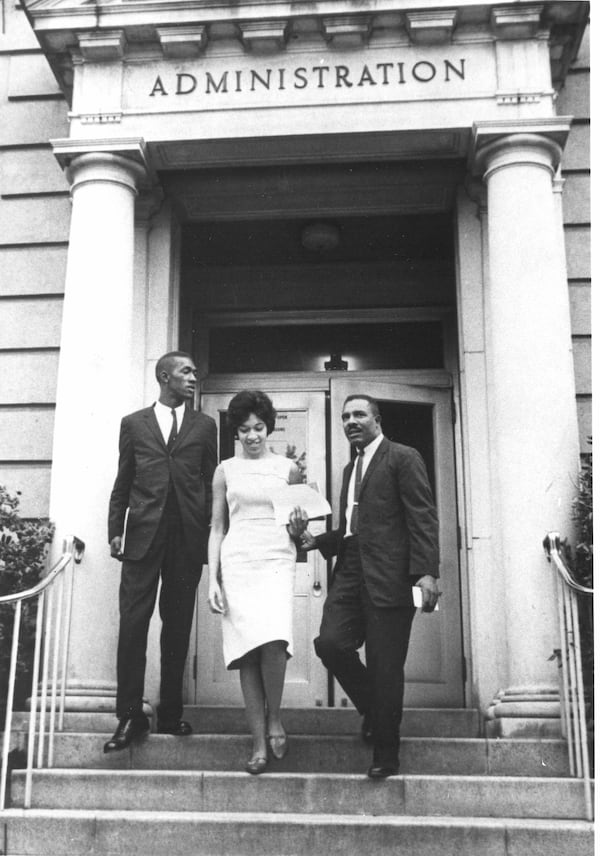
(320, 347)
(412, 425)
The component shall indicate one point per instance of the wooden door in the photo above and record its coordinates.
(299, 434)
(418, 416)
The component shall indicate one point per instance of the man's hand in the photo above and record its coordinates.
(115, 548)
(431, 593)
(308, 541)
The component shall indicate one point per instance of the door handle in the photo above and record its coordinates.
(317, 589)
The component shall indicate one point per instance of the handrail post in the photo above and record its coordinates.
(564, 667)
(9, 702)
(53, 624)
(34, 698)
(57, 622)
(45, 665)
(70, 546)
(585, 760)
(572, 697)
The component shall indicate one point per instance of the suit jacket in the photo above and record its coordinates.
(146, 469)
(397, 524)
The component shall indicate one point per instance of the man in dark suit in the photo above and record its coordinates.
(386, 543)
(158, 524)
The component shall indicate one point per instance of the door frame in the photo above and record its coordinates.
(319, 381)
(447, 378)
(438, 394)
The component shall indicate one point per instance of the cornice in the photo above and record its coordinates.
(110, 30)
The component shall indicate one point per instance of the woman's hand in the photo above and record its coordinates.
(298, 522)
(215, 598)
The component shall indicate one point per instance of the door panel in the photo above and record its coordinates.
(299, 434)
(421, 417)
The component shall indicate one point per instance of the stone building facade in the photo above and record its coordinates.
(391, 197)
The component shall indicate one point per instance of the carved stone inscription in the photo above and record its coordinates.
(303, 77)
(229, 82)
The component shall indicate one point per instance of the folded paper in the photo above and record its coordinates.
(302, 495)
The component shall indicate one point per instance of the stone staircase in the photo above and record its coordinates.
(457, 793)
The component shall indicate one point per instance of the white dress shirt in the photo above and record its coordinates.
(165, 420)
(369, 451)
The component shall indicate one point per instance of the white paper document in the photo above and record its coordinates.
(302, 495)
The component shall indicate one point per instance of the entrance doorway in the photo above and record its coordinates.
(416, 409)
(300, 280)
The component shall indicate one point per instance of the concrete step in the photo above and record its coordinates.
(298, 793)
(417, 722)
(150, 833)
(319, 754)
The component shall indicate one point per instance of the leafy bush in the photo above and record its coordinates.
(582, 562)
(583, 513)
(23, 550)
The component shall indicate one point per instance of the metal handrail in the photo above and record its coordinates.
(53, 627)
(553, 546)
(572, 694)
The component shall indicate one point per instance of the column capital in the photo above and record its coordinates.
(127, 156)
(93, 167)
(539, 142)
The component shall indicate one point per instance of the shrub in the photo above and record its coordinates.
(583, 514)
(23, 550)
(582, 562)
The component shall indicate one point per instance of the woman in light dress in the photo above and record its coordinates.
(252, 561)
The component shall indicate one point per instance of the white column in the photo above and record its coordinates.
(96, 387)
(533, 436)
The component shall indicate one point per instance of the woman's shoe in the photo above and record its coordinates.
(256, 766)
(278, 744)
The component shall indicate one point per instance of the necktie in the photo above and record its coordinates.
(357, 481)
(173, 432)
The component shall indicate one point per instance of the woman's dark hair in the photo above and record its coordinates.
(251, 401)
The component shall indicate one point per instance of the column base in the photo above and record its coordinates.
(93, 697)
(532, 711)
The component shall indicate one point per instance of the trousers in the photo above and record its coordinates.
(168, 561)
(350, 619)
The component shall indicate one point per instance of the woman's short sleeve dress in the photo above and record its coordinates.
(258, 559)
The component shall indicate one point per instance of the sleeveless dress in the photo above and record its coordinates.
(258, 559)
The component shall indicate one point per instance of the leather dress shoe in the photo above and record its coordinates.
(179, 728)
(366, 729)
(382, 771)
(128, 729)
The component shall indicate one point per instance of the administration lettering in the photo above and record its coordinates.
(318, 77)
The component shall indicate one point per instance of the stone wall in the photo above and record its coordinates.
(34, 230)
(574, 101)
(34, 227)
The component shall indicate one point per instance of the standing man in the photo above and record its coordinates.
(386, 543)
(158, 523)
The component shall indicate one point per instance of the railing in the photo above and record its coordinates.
(572, 692)
(54, 594)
